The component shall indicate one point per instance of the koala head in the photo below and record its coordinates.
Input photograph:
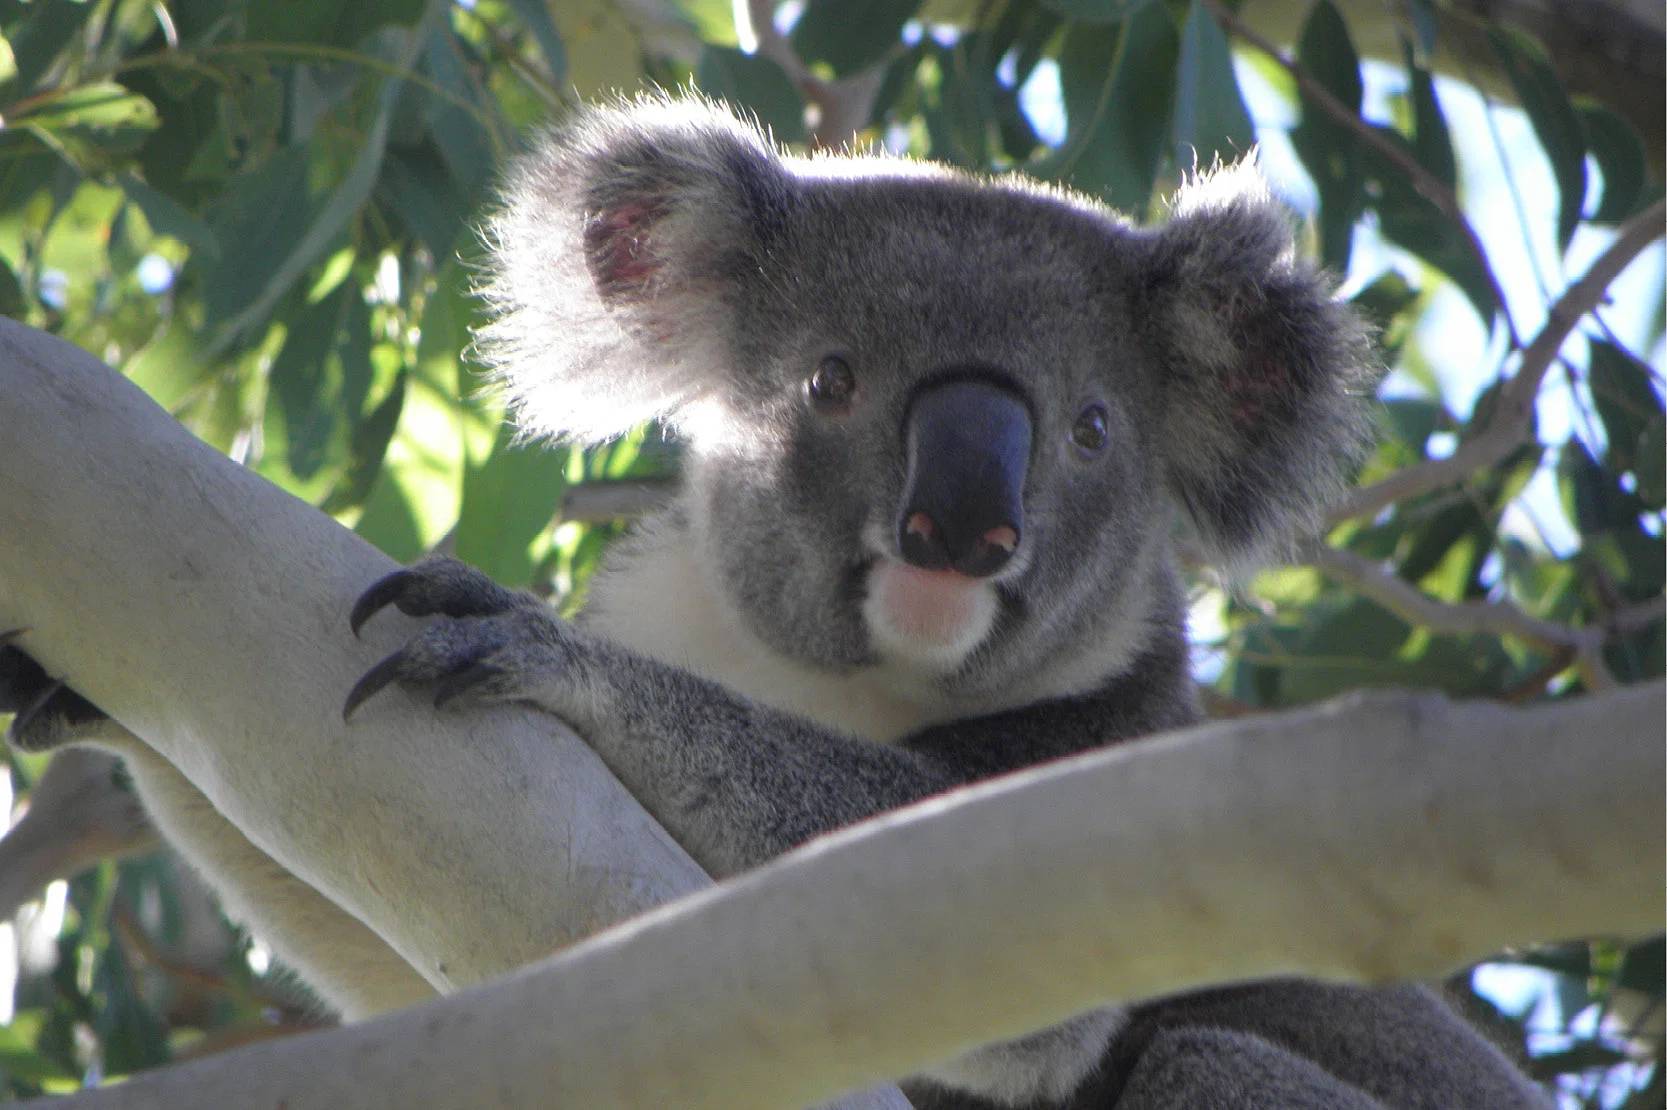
(932, 420)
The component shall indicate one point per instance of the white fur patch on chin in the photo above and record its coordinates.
(928, 618)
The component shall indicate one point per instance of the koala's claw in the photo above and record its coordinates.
(46, 711)
(373, 681)
(438, 585)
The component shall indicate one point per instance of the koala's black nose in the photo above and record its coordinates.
(968, 446)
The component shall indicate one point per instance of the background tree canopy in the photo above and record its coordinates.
(267, 216)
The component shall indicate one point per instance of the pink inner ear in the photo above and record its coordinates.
(617, 247)
(1259, 384)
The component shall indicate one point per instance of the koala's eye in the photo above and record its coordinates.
(833, 384)
(1089, 432)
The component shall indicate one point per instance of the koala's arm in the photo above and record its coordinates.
(735, 782)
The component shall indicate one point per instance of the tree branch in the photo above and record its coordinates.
(77, 816)
(212, 625)
(1380, 836)
(1430, 187)
(1512, 418)
(842, 105)
(1494, 618)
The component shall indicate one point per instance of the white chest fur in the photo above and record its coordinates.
(658, 602)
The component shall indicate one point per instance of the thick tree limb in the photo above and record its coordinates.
(1380, 836)
(1386, 837)
(205, 609)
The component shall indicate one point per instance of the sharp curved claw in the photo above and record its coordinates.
(375, 679)
(27, 714)
(382, 592)
(461, 681)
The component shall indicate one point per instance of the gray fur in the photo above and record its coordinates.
(740, 665)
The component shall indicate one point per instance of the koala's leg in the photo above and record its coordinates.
(1299, 1043)
(335, 954)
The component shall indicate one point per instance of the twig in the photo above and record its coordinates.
(1581, 646)
(842, 105)
(77, 816)
(1429, 186)
(1512, 418)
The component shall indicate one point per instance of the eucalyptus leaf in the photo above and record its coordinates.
(1554, 120)
(1619, 154)
(850, 35)
(755, 84)
(1118, 85)
(507, 501)
(1210, 120)
(1330, 150)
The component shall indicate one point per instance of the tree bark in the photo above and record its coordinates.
(1385, 836)
(1382, 836)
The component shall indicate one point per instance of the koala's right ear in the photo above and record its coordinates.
(613, 255)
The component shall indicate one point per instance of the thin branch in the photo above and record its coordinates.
(77, 816)
(1493, 618)
(1513, 415)
(1581, 646)
(842, 105)
(1429, 186)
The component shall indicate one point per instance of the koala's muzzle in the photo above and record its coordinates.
(968, 445)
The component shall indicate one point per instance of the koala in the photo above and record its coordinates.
(938, 430)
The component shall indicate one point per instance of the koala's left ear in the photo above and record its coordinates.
(614, 255)
(1264, 378)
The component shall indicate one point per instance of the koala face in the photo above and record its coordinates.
(934, 422)
(890, 329)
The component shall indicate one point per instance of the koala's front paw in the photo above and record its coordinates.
(48, 713)
(489, 645)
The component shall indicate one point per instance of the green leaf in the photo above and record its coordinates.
(95, 126)
(39, 35)
(1432, 141)
(850, 35)
(1652, 464)
(508, 500)
(756, 84)
(1626, 401)
(309, 393)
(1619, 153)
(464, 144)
(264, 212)
(1554, 120)
(167, 216)
(416, 186)
(536, 15)
(1330, 150)
(170, 366)
(1118, 112)
(1425, 23)
(1591, 496)
(332, 216)
(12, 301)
(1210, 120)
(1096, 11)
(1412, 221)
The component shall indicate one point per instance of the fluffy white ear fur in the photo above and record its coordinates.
(613, 238)
(1263, 369)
